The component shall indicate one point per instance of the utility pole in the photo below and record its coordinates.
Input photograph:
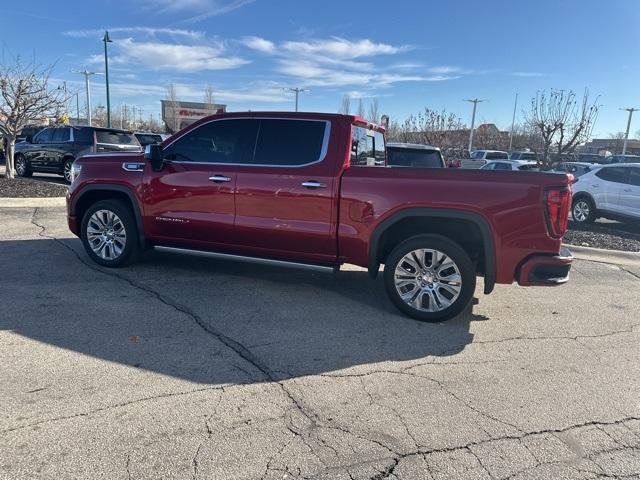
(626, 135)
(106, 40)
(475, 102)
(297, 91)
(513, 123)
(87, 74)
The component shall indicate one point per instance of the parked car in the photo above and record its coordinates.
(623, 159)
(147, 138)
(489, 155)
(414, 155)
(524, 156)
(609, 191)
(509, 165)
(592, 158)
(577, 169)
(313, 190)
(54, 149)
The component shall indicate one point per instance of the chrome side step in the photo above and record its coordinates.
(242, 258)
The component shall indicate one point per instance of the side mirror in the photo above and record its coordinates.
(153, 153)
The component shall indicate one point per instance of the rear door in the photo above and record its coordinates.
(190, 202)
(606, 186)
(630, 194)
(285, 197)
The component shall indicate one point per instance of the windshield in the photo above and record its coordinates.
(148, 138)
(408, 157)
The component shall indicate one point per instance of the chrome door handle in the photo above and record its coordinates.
(314, 184)
(220, 179)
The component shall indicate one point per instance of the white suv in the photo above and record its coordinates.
(609, 191)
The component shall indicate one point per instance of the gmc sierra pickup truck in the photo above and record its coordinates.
(313, 190)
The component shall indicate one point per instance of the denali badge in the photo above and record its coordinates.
(171, 219)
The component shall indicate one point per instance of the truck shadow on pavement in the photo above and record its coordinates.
(212, 321)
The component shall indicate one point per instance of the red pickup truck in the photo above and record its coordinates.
(313, 190)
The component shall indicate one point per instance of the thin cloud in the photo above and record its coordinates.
(197, 9)
(259, 44)
(527, 74)
(98, 32)
(169, 56)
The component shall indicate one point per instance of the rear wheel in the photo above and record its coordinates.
(583, 210)
(430, 278)
(22, 167)
(109, 233)
(66, 169)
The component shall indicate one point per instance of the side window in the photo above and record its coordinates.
(44, 136)
(367, 147)
(502, 166)
(222, 141)
(488, 166)
(634, 176)
(615, 174)
(60, 135)
(289, 142)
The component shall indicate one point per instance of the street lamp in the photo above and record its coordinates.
(475, 102)
(297, 91)
(626, 135)
(106, 40)
(87, 74)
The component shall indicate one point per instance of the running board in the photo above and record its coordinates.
(242, 258)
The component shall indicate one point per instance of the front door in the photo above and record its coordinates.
(37, 153)
(285, 200)
(630, 194)
(190, 202)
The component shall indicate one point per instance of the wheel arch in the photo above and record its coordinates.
(95, 193)
(437, 216)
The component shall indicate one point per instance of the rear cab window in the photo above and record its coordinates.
(112, 137)
(414, 157)
(367, 147)
(497, 156)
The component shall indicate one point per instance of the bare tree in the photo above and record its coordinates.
(25, 97)
(562, 120)
(208, 97)
(616, 141)
(361, 109)
(345, 106)
(432, 127)
(374, 111)
(171, 116)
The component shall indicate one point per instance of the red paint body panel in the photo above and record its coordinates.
(265, 211)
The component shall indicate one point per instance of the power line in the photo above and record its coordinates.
(87, 74)
(475, 102)
(626, 135)
(297, 91)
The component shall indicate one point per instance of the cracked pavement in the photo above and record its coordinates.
(181, 367)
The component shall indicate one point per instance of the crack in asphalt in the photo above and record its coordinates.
(635, 275)
(315, 424)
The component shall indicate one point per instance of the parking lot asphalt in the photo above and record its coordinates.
(181, 367)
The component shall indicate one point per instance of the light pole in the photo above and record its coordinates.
(106, 40)
(626, 135)
(513, 123)
(297, 91)
(475, 102)
(87, 74)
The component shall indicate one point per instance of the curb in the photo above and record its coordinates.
(10, 202)
(616, 257)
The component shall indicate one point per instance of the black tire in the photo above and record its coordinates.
(23, 169)
(129, 252)
(66, 169)
(438, 288)
(583, 210)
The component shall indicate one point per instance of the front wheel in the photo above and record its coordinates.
(430, 278)
(109, 233)
(22, 167)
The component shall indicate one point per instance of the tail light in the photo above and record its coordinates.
(558, 206)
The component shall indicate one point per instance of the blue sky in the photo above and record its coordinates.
(407, 53)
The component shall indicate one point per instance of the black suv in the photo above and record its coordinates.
(54, 149)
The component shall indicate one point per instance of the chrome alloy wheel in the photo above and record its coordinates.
(67, 171)
(428, 280)
(581, 210)
(21, 166)
(106, 234)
